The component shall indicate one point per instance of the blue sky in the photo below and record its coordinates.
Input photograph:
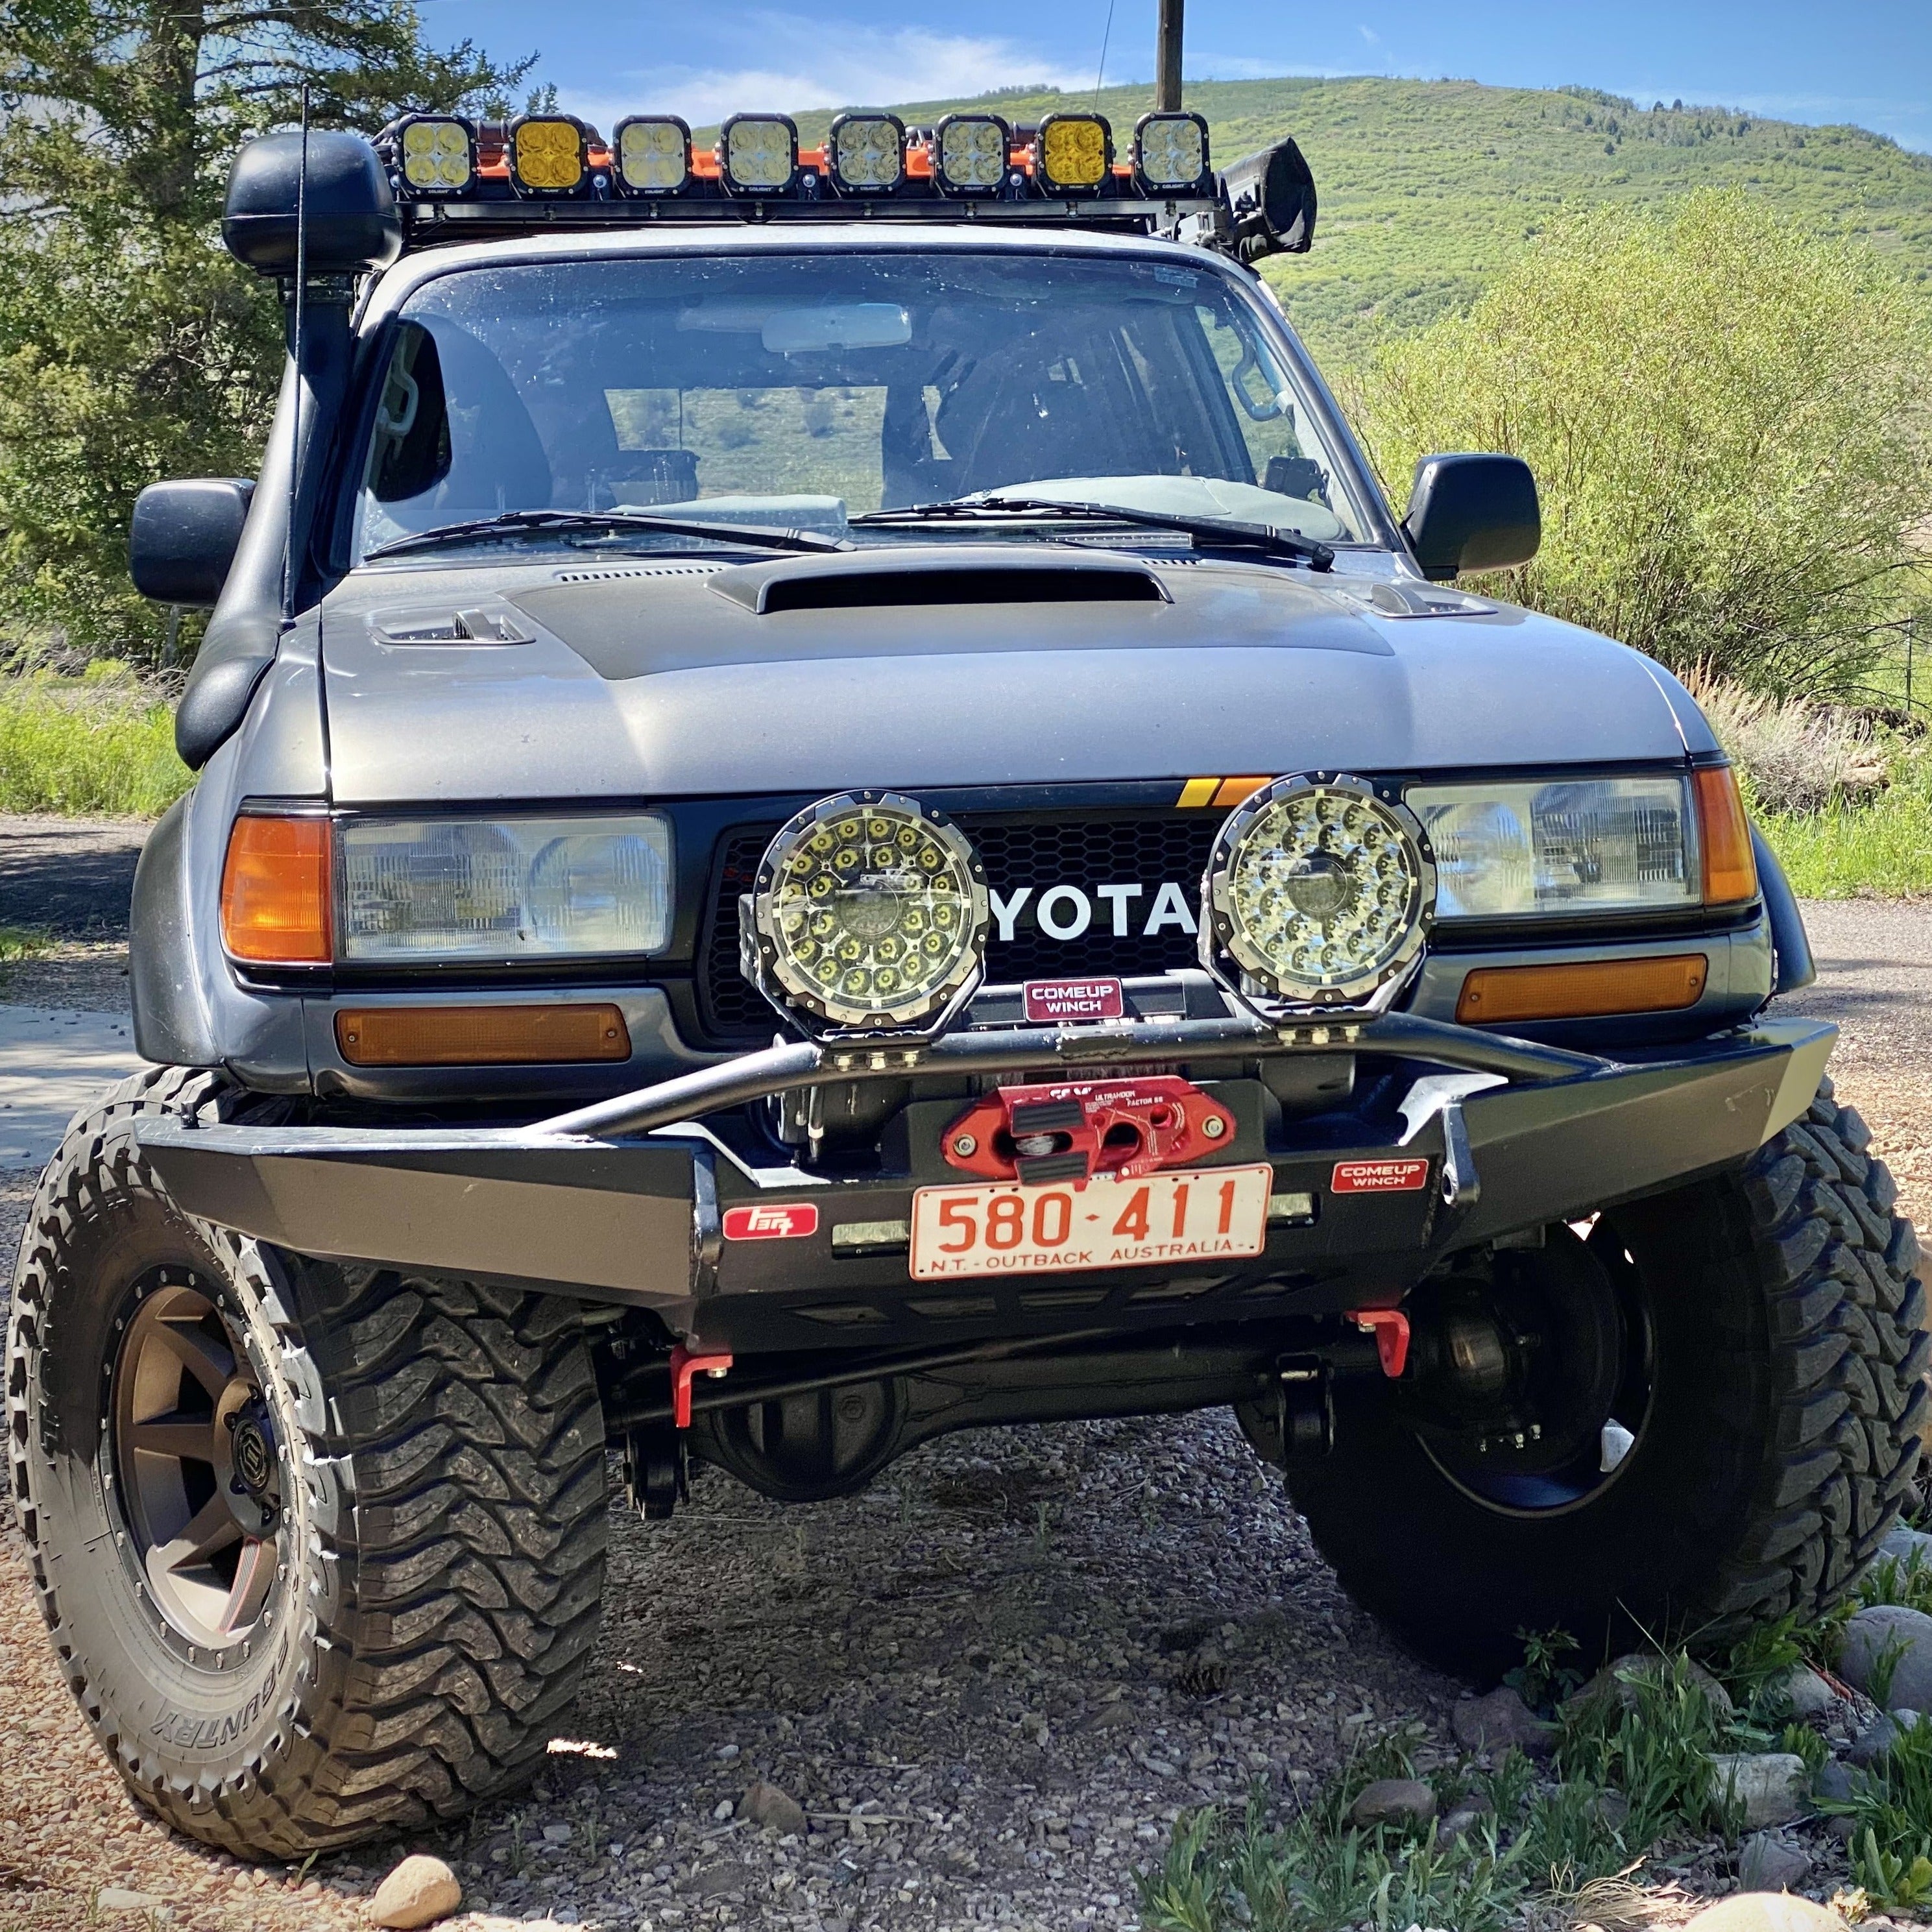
(1865, 61)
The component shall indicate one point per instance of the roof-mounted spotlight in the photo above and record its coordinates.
(549, 154)
(1171, 153)
(866, 153)
(969, 154)
(653, 153)
(757, 153)
(1073, 153)
(434, 154)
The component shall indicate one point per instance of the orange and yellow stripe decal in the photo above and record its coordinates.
(1224, 792)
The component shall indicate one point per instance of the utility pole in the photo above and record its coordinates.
(1167, 59)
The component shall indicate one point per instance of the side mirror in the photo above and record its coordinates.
(1472, 513)
(348, 210)
(184, 536)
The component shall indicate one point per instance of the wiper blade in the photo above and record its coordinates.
(537, 523)
(1208, 533)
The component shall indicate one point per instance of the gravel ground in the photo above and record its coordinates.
(992, 1681)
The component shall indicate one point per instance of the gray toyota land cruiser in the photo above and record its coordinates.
(831, 809)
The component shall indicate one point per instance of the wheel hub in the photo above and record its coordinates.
(196, 1485)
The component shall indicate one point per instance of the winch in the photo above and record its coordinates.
(1072, 1130)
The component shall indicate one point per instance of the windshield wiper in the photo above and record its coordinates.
(1208, 533)
(539, 523)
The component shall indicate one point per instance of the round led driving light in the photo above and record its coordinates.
(1320, 892)
(869, 911)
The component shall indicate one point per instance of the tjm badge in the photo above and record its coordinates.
(787, 1222)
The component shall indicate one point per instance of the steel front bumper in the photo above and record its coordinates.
(625, 1201)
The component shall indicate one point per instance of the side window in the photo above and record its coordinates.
(409, 450)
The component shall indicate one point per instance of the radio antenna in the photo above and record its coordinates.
(299, 334)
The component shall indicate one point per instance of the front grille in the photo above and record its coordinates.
(1084, 850)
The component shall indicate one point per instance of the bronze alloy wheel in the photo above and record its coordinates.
(197, 1469)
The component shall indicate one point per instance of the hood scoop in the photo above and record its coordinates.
(430, 624)
(980, 575)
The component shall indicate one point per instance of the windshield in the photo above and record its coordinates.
(799, 391)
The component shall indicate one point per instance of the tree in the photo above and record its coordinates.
(1730, 423)
(130, 346)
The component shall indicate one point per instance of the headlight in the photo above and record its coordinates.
(451, 888)
(869, 912)
(1320, 892)
(1567, 846)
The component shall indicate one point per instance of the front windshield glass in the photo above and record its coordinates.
(802, 390)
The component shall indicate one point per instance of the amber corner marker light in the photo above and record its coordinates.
(274, 891)
(1730, 865)
(1588, 988)
(480, 1035)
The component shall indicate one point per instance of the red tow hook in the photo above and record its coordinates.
(1073, 1130)
(684, 1366)
(1390, 1327)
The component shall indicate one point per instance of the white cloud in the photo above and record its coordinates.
(810, 63)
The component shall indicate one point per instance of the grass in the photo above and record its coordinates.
(1884, 847)
(100, 745)
(22, 942)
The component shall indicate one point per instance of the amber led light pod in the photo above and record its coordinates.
(480, 1035)
(274, 892)
(1591, 988)
(1730, 866)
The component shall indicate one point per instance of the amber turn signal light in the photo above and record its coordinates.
(1590, 989)
(1730, 866)
(274, 892)
(480, 1035)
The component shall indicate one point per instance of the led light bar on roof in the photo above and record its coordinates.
(969, 154)
(866, 153)
(757, 153)
(652, 153)
(548, 154)
(1073, 152)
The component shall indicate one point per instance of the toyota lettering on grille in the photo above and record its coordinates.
(789, 1221)
(1126, 909)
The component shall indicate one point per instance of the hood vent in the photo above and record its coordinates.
(877, 583)
(636, 570)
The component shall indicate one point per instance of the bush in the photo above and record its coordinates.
(1730, 422)
(101, 744)
(1794, 756)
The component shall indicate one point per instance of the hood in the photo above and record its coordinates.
(942, 665)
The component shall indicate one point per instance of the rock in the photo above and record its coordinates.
(1766, 1864)
(1620, 1677)
(1394, 1801)
(419, 1892)
(1806, 1693)
(1467, 1813)
(1904, 1545)
(556, 1834)
(1501, 1721)
(1765, 1911)
(1876, 1739)
(1611, 1809)
(1891, 1629)
(1833, 1784)
(1770, 1786)
(113, 1898)
(765, 1804)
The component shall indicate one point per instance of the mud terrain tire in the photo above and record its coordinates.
(1782, 1438)
(430, 1457)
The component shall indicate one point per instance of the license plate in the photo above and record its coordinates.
(1193, 1214)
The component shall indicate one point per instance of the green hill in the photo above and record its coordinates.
(1427, 187)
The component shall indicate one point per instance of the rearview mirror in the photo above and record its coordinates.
(184, 536)
(1469, 512)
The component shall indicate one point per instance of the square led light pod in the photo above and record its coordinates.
(757, 153)
(436, 153)
(969, 154)
(653, 152)
(866, 153)
(1171, 152)
(1073, 153)
(549, 154)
